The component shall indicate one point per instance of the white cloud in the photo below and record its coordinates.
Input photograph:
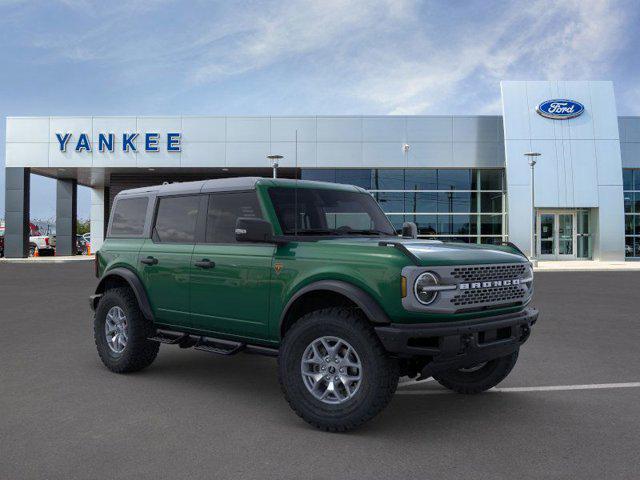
(391, 56)
(286, 30)
(538, 40)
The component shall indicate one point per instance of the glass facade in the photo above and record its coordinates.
(631, 182)
(464, 205)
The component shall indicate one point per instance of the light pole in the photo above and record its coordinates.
(532, 163)
(274, 163)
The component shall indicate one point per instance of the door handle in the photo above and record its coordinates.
(149, 260)
(205, 263)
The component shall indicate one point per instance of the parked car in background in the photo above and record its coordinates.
(81, 245)
(45, 243)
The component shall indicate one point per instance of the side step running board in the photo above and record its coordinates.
(168, 336)
(218, 346)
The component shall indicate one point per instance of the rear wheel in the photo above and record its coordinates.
(333, 370)
(478, 378)
(121, 331)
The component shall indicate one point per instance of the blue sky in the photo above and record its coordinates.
(76, 57)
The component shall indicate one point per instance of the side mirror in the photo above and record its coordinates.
(254, 230)
(409, 230)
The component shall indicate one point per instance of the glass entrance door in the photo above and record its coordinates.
(556, 234)
(566, 234)
(547, 242)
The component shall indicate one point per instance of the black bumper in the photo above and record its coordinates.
(452, 345)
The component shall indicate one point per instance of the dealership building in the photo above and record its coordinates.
(459, 178)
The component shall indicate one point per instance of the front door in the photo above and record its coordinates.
(230, 281)
(556, 235)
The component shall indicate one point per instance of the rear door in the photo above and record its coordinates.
(165, 258)
(229, 280)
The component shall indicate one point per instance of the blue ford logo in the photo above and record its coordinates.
(560, 109)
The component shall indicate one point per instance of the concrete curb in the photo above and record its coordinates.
(595, 269)
(48, 260)
(587, 266)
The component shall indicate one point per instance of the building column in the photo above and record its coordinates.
(609, 225)
(17, 190)
(97, 218)
(66, 216)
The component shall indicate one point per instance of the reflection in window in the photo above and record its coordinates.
(453, 204)
(176, 219)
(491, 180)
(457, 224)
(391, 202)
(631, 182)
(387, 179)
(128, 217)
(359, 177)
(454, 179)
(426, 179)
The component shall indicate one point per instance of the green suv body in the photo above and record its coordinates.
(315, 274)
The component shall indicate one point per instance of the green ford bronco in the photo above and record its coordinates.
(314, 274)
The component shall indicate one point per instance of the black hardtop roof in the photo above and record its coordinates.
(229, 184)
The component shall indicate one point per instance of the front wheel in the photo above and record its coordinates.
(478, 378)
(333, 370)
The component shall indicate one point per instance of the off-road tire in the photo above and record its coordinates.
(139, 352)
(480, 380)
(379, 372)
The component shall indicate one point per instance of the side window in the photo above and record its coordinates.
(224, 209)
(128, 217)
(176, 219)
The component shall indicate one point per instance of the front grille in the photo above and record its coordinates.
(468, 288)
(508, 294)
(480, 273)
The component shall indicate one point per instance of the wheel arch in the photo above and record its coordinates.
(124, 277)
(335, 290)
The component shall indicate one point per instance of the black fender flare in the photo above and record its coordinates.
(134, 283)
(362, 299)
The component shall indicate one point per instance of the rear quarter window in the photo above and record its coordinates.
(176, 219)
(128, 217)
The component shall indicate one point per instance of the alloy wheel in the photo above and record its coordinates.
(116, 329)
(331, 370)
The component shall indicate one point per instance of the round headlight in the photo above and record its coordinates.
(422, 290)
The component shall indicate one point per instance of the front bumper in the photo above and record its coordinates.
(453, 345)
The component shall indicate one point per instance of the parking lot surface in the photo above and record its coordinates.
(197, 415)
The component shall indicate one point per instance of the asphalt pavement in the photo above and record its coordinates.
(196, 415)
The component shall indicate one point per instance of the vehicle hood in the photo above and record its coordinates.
(461, 254)
(432, 253)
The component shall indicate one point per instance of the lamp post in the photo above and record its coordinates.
(274, 163)
(531, 156)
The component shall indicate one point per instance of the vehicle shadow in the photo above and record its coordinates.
(246, 378)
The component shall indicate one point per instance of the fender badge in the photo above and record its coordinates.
(277, 267)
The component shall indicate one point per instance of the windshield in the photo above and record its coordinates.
(318, 211)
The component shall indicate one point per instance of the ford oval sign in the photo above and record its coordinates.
(560, 109)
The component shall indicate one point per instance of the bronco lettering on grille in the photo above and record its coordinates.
(493, 283)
